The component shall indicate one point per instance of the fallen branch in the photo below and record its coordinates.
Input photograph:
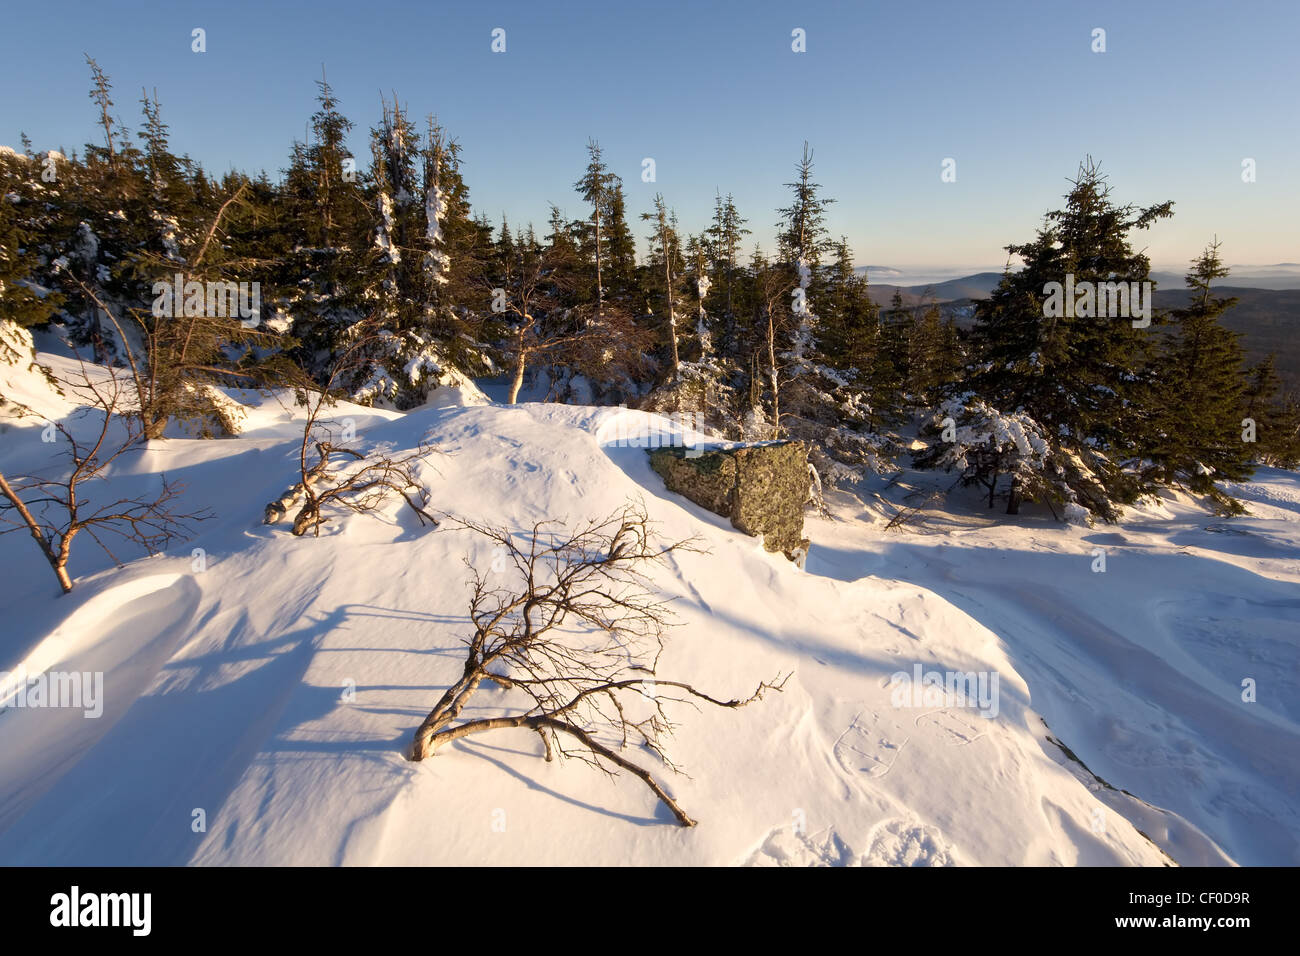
(578, 635)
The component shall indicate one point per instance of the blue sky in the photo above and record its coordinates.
(713, 92)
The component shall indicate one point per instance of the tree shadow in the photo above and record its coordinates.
(479, 749)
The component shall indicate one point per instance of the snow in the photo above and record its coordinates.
(15, 343)
(436, 260)
(168, 231)
(383, 236)
(226, 662)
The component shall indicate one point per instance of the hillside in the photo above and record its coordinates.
(224, 687)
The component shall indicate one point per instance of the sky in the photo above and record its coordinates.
(1012, 92)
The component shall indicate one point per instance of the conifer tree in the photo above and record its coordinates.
(1078, 376)
(725, 236)
(726, 233)
(700, 282)
(325, 257)
(621, 276)
(1198, 414)
(610, 293)
(897, 326)
(803, 237)
(594, 187)
(1271, 417)
(925, 351)
(20, 301)
(666, 260)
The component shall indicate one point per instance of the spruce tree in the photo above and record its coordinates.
(621, 278)
(1198, 415)
(1078, 376)
(1273, 415)
(326, 231)
(667, 263)
(926, 353)
(802, 241)
(20, 301)
(594, 187)
(897, 325)
(803, 237)
(725, 235)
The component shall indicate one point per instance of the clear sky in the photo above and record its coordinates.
(713, 92)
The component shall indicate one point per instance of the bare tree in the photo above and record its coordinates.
(576, 632)
(342, 476)
(543, 330)
(179, 350)
(771, 292)
(665, 235)
(55, 511)
(102, 95)
(533, 281)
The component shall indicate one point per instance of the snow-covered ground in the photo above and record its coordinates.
(1118, 734)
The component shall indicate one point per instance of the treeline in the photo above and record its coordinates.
(1083, 414)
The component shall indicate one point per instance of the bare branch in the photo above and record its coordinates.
(574, 633)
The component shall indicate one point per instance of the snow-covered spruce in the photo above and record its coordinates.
(1012, 456)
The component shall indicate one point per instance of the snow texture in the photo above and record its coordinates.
(270, 683)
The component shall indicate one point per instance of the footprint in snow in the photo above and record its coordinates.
(788, 846)
(871, 744)
(898, 842)
(955, 731)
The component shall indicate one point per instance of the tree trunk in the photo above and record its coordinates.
(672, 316)
(1013, 497)
(518, 382)
(58, 561)
(600, 289)
(427, 736)
(771, 364)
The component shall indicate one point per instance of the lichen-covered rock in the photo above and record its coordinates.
(771, 490)
(708, 478)
(761, 488)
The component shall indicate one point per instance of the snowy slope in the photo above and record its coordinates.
(225, 686)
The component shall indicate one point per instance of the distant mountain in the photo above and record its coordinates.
(1267, 316)
(1279, 276)
(1283, 275)
(977, 286)
(1268, 320)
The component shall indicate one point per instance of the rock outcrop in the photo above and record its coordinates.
(761, 488)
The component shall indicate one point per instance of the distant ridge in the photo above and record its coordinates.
(1267, 316)
(976, 286)
(980, 285)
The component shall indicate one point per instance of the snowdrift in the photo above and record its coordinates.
(260, 689)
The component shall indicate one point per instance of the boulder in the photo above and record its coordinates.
(761, 488)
